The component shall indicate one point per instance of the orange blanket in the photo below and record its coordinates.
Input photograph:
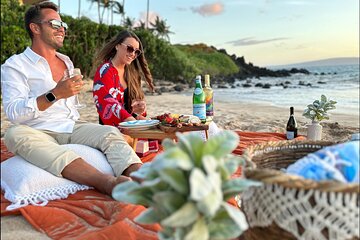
(92, 215)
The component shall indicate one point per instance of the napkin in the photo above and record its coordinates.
(337, 162)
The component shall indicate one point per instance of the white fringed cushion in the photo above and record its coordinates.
(25, 183)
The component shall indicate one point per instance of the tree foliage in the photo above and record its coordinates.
(85, 37)
(14, 38)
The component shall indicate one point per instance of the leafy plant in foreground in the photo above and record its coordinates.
(186, 187)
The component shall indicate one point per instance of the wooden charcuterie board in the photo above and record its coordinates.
(169, 129)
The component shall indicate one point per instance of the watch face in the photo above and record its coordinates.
(50, 97)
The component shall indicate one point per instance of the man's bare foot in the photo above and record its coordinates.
(113, 181)
(132, 168)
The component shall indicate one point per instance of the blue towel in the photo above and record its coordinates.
(338, 162)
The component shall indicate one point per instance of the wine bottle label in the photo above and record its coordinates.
(199, 110)
(290, 135)
(198, 91)
(209, 107)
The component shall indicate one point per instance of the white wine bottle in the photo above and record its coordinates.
(291, 127)
(199, 106)
(209, 98)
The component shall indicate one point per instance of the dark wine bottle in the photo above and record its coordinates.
(291, 127)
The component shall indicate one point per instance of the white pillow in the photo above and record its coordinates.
(25, 183)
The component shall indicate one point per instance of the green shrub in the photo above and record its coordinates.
(86, 37)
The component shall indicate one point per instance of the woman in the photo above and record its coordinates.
(117, 91)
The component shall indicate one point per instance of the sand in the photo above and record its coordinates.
(234, 116)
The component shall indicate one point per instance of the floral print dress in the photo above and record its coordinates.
(108, 95)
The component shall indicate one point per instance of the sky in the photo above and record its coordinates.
(265, 32)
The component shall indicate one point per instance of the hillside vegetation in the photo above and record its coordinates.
(85, 37)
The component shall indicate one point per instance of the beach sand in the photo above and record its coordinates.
(232, 116)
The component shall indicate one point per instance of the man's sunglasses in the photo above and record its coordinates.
(56, 24)
(131, 49)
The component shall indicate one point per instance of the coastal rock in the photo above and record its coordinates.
(179, 88)
(267, 85)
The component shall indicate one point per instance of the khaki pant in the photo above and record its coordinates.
(43, 148)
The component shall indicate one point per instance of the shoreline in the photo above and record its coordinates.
(242, 115)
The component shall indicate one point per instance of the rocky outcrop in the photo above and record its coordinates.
(248, 70)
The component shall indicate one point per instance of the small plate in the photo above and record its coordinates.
(139, 124)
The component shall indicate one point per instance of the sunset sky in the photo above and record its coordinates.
(265, 32)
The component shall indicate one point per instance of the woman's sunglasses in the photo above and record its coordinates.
(131, 49)
(57, 24)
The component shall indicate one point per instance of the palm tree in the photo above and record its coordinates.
(147, 15)
(79, 8)
(129, 23)
(160, 28)
(119, 9)
(98, 4)
(142, 26)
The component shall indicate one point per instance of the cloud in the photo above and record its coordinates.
(251, 41)
(209, 9)
(142, 18)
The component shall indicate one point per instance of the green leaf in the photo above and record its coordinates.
(199, 231)
(236, 215)
(185, 145)
(192, 144)
(221, 144)
(149, 216)
(323, 98)
(170, 201)
(151, 186)
(232, 163)
(143, 172)
(199, 185)
(176, 179)
(209, 163)
(223, 227)
(237, 185)
(168, 143)
(173, 158)
(210, 204)
(185, 216)
(121, 192)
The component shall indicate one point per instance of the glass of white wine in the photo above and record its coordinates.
(69, 73)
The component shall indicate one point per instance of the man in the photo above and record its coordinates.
(41, 105)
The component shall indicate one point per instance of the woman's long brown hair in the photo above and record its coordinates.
(134, 72)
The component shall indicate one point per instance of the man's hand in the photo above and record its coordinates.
(68, 87)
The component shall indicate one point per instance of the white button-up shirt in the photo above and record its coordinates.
(26, 76)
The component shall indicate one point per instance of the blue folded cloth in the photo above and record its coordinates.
(338, 162)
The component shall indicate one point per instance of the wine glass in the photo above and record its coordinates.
(138, 106)
(69, 73)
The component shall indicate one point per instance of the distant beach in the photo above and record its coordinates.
(257, 109)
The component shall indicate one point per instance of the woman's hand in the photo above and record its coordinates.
(129, 119)
(138, 107)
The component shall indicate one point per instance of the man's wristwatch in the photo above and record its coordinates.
(50, 97)
(134, 115)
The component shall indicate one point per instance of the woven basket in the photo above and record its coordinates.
(290, 207)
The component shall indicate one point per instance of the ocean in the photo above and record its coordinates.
(339, 83)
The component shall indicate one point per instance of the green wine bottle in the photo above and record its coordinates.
(199, 105)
